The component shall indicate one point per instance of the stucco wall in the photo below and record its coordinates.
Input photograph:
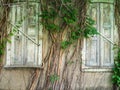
(18, 79)
(15, 79)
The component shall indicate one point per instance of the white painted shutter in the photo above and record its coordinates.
(22, 52)
(107, 27)
(92, 44)
(98, 50)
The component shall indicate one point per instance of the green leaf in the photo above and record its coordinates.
(1, 52)
(45, 14)
(90, 31)
(65, 44)
(11, 34)
(52, 27)
(75, 35)
(54, 78)
(90, 21)
(67, 1)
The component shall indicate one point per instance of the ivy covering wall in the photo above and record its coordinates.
(66, 23)
(116, 69)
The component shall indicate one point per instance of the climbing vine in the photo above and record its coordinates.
(116, 69)
(61, 15)
(56, 17)
(66, 21)
(4, 34)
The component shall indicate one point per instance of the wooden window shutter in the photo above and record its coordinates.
(93, 42)
(98, 51)
(25, 49)
(107, 29)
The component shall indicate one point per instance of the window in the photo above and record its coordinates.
(98, 52)
(25, 49)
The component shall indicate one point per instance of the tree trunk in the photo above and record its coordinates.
(61, 67)
(64, 65)
(4, 14)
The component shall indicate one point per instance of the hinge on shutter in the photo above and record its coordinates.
(27, 36)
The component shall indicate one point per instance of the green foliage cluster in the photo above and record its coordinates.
(116, 69)
(3, 43)
(57, 15)
(54, 78)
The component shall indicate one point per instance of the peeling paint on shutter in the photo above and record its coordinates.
(107, 24)
(22, 52)
(92, 43)
(98, 50)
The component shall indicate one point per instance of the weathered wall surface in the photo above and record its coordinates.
(14, 79)
(96, 81)
(65, 64)
(71, 78)
(18, 79)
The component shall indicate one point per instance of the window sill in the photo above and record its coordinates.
(22, 66)
(96, 69)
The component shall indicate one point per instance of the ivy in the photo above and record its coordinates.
(116, 69)
(66, 1)
(65, 44)
(58, 14)
(52, 27)
(54, 78)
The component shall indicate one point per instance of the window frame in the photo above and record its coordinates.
(98, 68)
(8, 61)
